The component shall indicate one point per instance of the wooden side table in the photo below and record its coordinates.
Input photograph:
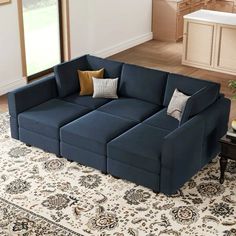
(228, 151)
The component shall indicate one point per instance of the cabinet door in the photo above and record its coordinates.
(224, 6)
(198, 43)
(180, 23)
(183, 5)
(210, 6)
(225, 56)
(195, 6)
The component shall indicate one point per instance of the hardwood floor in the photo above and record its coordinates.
(164, 56)
(3, 104)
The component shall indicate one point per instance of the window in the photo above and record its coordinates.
(42, 36)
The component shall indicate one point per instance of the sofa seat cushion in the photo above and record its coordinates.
(162, 120)
(87, 101)
(130, 108)
(47, 118)
(93, 131)
(139, 147)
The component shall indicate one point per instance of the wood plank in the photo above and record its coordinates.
(3, 104)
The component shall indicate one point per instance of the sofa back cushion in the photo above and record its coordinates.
(143, 83)
(67, 73)
(203, 93)
(199, 101)
(112, 69)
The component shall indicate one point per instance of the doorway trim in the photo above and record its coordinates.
(65, 24)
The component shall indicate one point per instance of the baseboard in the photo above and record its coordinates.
(124, 45)
(5, 88)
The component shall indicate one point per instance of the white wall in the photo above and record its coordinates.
(10, 54)
(99, 27)
(79, 26)
(106, 27)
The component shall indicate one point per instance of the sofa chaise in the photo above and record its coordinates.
(131, 137)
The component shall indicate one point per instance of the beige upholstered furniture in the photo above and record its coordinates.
(209, 41)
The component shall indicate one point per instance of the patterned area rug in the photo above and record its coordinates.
(41, 194)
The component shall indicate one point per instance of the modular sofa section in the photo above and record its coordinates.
(166, 159)
(85, 139)
(136, 155)
(40, 125)
(27, 97)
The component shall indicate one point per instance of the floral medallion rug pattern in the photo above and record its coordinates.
(41, 194)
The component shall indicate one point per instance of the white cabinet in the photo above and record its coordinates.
(225, 53)
(198, 41)
(209, 42)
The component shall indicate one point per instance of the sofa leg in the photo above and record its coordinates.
(155, 191)
(59, 156)
(28, 145)
(104, 172)
(115, 177)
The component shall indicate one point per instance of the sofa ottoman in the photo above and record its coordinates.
(85, 139)
(135, 155)
(40, 125)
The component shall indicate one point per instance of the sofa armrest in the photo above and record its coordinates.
(181, 155)
(31, 95)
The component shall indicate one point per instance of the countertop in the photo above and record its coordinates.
(213, 16)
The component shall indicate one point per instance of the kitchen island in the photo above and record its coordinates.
(210, 41)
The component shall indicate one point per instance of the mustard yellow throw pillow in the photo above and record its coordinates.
(86, 81)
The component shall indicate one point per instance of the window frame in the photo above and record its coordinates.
(63, 12)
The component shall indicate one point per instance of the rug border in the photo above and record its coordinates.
(42, 217)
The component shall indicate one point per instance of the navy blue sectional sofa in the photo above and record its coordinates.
(131, 137)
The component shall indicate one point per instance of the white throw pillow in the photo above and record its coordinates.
(105, 88)
(177, 104)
